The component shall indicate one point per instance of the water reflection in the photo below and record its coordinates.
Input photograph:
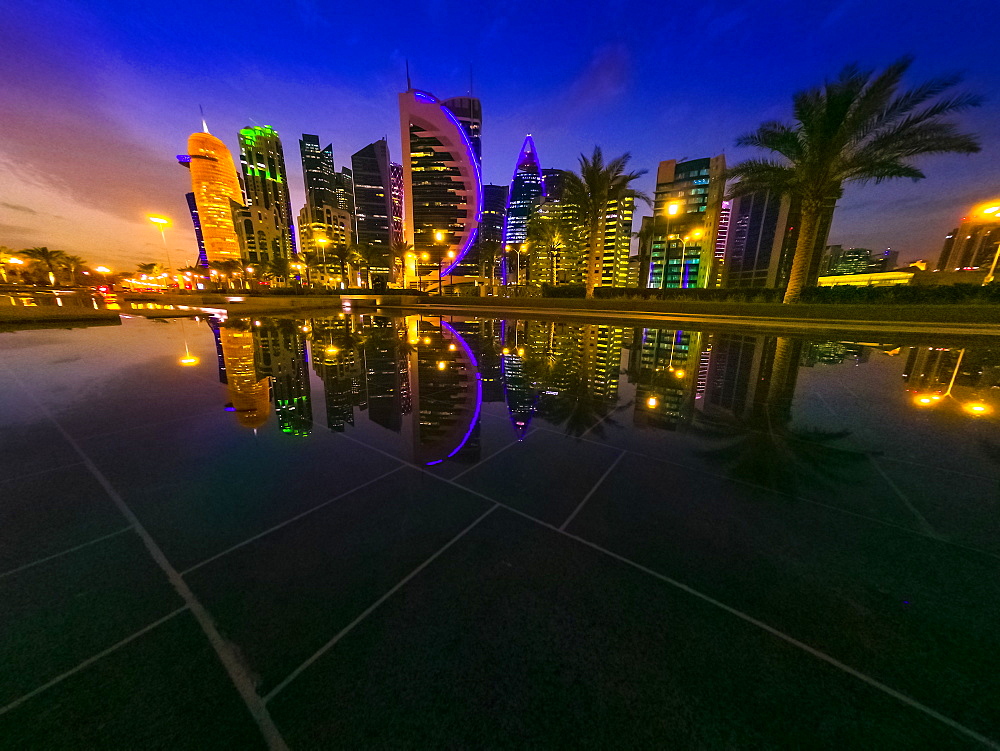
(427, 379)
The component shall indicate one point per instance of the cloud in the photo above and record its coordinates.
(17, 207)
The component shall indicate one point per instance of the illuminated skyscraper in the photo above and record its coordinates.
(687, 210)
(193, 208)
(373, 200)
(396, 193)
(317, 171)
(526, 193)
(266, 183)
(469, 112)
(973, 244)
(215, 187)
(442, 187)
(617, 242)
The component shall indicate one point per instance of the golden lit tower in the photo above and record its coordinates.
(215, 186)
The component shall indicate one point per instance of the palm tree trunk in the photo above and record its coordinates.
(592, 262)
(805, 247)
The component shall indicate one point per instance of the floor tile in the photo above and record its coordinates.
(60, 613)
(518, 637)
(203, 485)
(909, 610)
(285, 595)
(165, 690)
(49, 512)
(546, 475)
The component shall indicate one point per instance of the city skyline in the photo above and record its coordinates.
(142, 92)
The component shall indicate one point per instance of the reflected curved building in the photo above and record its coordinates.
(448, 394)
(249, 394)
(216, 187)
(442, 186)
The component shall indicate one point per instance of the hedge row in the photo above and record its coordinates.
(964, 294)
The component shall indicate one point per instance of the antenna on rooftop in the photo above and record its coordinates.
(204, 125)
(409, 86)
(470, 79)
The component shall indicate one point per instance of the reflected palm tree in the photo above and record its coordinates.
(763, 447)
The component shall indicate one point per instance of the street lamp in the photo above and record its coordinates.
(161, 223)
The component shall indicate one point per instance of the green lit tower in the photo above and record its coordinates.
(265, 182)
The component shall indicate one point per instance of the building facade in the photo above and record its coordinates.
(686, 214)
(265, 182)
(442, 188)
(973, 244)
(196, 221)
(215, 186)
(373, 201)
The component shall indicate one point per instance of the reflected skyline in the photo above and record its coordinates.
(426, 379)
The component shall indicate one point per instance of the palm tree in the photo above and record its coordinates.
(6, 255)
(150, 269)
(277, 268)
(398, 250)
(73, 264)
(588, 194)
(345, 255)
(551, 234)
(367, 256)
(858, 128)
(48, 259)
(489, 255)
(645, 236)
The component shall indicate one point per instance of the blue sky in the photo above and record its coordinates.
(99, 97)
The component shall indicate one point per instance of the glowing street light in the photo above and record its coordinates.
(102, 270)
(442, 365)
(651, 402)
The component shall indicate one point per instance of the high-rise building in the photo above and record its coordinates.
(396, 192)
(260, 231)
(526, 193)
(266, 184)
(324, 231)
(617, 242)
(193, 208)
(490, 235)
(686, 210)
(469, 112)
(973, 244)
(761, 241)
(762, 234)
(317, 171)
(373, 200)
(343, 190)
(842, 261)
(215, 186)
(442, 187)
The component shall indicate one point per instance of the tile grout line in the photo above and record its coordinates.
(818, 654)
(90, 661)
(488, 458)
(276, 527)
(64, 552)
(225, 651)
(803, 499)
(921, 520)
(743, 616)
(593, 490)
(374, 606)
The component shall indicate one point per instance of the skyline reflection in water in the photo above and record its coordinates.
(423, 382)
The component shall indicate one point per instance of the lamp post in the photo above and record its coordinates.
(992, 212)
(161, 223)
